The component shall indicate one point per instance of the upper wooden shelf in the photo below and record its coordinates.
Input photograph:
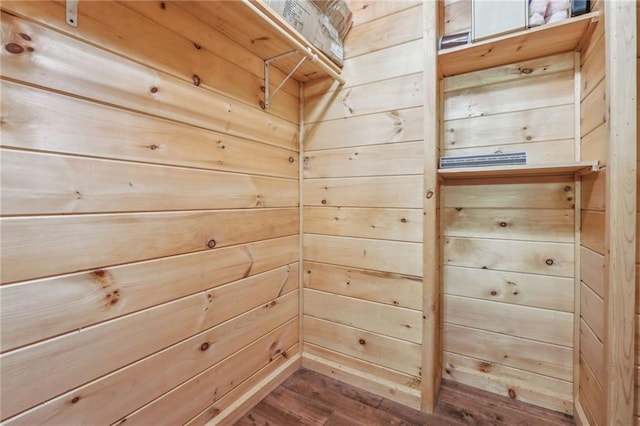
(579, 168)
(545, 40)
(253, 25)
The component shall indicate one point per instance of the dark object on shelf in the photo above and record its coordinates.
(453, 40)
(500, 159)
(580, 7)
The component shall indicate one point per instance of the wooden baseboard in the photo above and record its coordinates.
(391, 390)
(579, 415)
(245, 403)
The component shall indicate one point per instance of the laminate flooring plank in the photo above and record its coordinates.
(308, 398)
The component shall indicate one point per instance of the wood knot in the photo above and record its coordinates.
(291, 159)
(512, 394)
(196, 80)
(429, 194)
(362, 342)
(403, 220)
(211, 243)
(14, 48)
(99, 273)
(549, 262)
(24, 36)
(204, 346)
(154, 90)
(567, 188)
(75, 399)
(526, 70)
(494, 293)
(323, 201)
(163, 5)
(197, 46)
(154, 146)
(503, 224)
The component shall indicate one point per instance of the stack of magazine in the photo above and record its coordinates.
(486, 160)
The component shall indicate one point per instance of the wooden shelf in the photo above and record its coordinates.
(559, 169)
(253, 25)
(545, 40)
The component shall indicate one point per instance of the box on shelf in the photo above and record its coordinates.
(490, 18)
(338, 13)
(308, 20)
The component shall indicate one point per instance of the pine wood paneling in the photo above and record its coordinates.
(108, 186)
(525, 354)
(541, 291)
(516, 256)
(144, 89)
(519, 321)
(538, 92)
(592, 267)
(388, 352)
(41, 246)
(36, 310)
(35, 119)
(510, 224)
(537, 152)
(591, 350)
(382, 96)
(379, 223)
(385, 191)
(509, 193)
(396, 28)
(376, 160)
(368, 10)
(378, 255)
(534, 125)
(399, 125)
(392, 289)
(517, 384)
(195, 395)
(141, 381)
(511, 72)
(592, 310)
(400, 323)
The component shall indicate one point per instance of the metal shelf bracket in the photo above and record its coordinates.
(72, 12)
(267, 63)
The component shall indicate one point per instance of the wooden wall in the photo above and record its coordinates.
(637, 376)
(593, 292)
(363, 164)
(149, 218)
(508, 244)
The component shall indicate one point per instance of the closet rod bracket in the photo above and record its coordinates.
(267, 63)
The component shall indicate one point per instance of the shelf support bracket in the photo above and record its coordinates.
(72, 12)
(267, 63)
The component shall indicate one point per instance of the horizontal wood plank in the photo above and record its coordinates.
(543, 325)
(539, 92)
(592, 352)
(196, 394)
(539, 291)
(100, 77)
(376, 255)
(509, 224)
(592, 233)
(398, 125)
(528, 126)
(593, 109)
(35, 247)
(511, 72)
(372, 35)
(378, 223)
(375, 66)
(141, 380)
(35, 119)
(593, 190)
(368, 10)
(592, 310)
(373, 378)
(525, 354)
(592, 271)
(556, 193)
(66, 184)
(543, 391)
(40, 309)
(592, 394)
(385, 351)
(380, 318)
(392, 289)
(555, 259)
(595, 144)
(382, 96)
(376, 160)
(383, 191)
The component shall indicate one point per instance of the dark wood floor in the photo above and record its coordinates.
(308, 398)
